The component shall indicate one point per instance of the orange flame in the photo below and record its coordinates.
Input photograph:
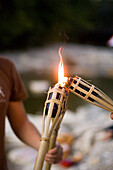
(61, 78)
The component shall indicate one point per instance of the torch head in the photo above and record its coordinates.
(90, 93)
(57, 100)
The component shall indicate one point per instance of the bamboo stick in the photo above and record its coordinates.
(51, 146)
(41, 155)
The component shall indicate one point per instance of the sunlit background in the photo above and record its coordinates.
(31, 33)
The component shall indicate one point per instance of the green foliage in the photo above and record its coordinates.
(28, 23)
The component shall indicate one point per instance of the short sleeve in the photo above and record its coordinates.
(18, 91)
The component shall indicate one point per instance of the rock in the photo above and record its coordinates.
(85, 59)
(85, 143)
(36, 86)
(23, 157)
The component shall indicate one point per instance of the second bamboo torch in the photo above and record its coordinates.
(90, 93)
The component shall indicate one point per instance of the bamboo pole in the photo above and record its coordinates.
(41, 155)
(51, 146)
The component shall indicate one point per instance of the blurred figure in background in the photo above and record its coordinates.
(110, 42)
(12, 93)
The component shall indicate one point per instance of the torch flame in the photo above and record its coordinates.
(61, 78)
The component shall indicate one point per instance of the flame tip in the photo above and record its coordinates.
(61, 78)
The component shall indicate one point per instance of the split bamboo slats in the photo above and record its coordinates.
(90, 93)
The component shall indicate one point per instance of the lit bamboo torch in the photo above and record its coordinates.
(90, 93)
(54, 110)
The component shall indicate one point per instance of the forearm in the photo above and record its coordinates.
(29, 134)
(20, 124)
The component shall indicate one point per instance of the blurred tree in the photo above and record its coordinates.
(103, 25)
(28, 23)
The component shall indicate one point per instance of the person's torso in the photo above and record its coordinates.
(5, 91)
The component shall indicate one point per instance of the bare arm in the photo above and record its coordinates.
(22, 127)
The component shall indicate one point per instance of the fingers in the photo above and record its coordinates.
(111, 115)
(52, 160)
(55, 150)
(54, 155)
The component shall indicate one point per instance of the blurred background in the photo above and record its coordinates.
(28, 30)
(24, 24)
(31, 33)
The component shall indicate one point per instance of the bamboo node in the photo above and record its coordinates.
(45, 139)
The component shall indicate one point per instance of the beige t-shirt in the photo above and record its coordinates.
(11, 89)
